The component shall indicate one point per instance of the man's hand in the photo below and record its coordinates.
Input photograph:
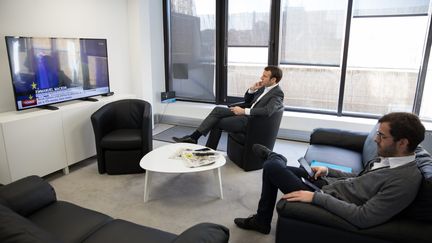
(319, 171)
(256, 86)
(238, 110)
(299, 196)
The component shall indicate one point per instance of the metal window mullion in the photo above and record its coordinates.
(221, 51)
(273, 50)
(344, 58)
(167, 43)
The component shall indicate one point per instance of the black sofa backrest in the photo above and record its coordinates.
(339, 138)
(30, 189)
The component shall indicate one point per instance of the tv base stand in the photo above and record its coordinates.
(49, 107)
(89, 99)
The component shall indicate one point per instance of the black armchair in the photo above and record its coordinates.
(123, 135)
(261, 130)
(299, 222)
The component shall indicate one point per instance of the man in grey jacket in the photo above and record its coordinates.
(263, 98)
(386, 186)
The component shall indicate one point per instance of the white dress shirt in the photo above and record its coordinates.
(393, 162)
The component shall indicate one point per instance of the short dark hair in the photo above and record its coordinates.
(276, 72)
(405, 125)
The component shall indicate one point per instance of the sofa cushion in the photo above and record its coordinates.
(396, 230)
(421, 208)
(123, 231)
(335, 155)
(122, 139)
(370, 149)
(15, 228)
(424, 162)
(339, 138)
(69, 222)
(203, 233)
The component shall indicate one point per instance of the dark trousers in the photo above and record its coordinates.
(277, 175)
(221, 119)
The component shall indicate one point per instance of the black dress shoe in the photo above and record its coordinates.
(251, 223)
(185, 139)
(261, 151)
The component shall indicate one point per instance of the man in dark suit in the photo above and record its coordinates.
(263, 98)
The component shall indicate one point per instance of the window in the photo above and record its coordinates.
(385, 51)
(344, 57)
(192, 69)
(248, 38)
(311, 47)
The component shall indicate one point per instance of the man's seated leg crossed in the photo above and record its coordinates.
(384, 188)
(276, 175)
(263, 98)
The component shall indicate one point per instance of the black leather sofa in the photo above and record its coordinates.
(30, 212)
(303, 222)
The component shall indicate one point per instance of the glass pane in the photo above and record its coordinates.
(390, 7)
(312, 31)
(248, 22)
(247, 54)
(193, 49)
(309, 87)
(242, 76)
(248, 35)
(383, 63)
(312, 34)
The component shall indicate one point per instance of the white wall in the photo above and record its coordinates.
(66, 18)
(147, 50)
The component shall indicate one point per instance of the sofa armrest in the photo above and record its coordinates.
(204, 233)
(313, 214)
(27, 195)
(339, 138)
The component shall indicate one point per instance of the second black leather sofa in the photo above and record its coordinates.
(30, 212)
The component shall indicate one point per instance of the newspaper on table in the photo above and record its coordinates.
(196, 158)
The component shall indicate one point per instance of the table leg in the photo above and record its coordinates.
(147, 179)
(218, 180)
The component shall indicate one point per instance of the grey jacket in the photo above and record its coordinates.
(268, 104)
(373, 197)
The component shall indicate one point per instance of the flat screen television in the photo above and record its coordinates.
(51, 70)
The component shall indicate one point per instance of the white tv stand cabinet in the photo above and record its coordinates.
(40, 142)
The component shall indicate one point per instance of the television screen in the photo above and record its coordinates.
(52, 70)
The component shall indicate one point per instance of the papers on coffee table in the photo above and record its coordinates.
(196, 158)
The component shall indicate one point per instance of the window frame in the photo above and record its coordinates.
(221, 96)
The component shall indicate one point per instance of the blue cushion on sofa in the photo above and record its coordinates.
(370, 149)
(424, 162)
(335, 155)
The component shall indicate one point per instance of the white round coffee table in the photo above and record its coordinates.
(158, 160)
